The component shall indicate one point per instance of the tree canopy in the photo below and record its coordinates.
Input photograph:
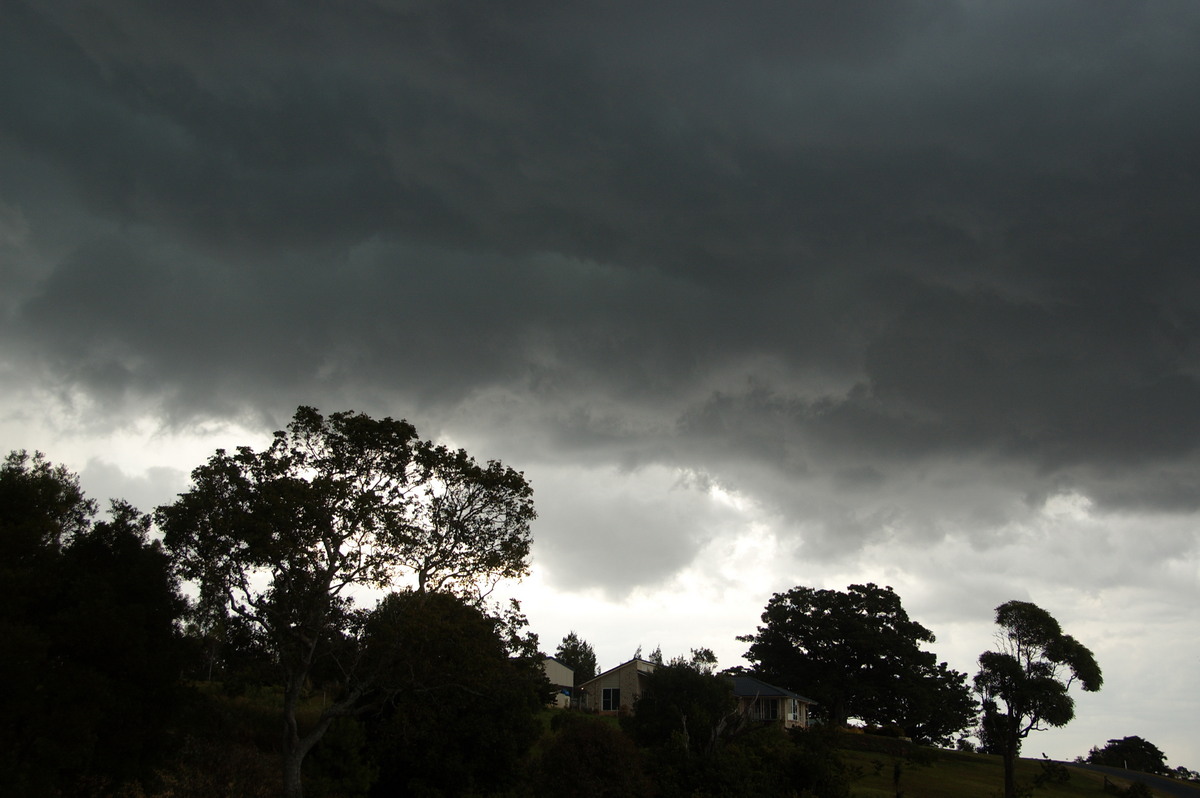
(279, 538)
(685, 703)
(858, 654)
(88, 613)
(457, 711)
(577, 654)
(1133, 753)
(1024, 685)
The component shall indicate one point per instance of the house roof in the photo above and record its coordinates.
(635, 661)
(751, 687)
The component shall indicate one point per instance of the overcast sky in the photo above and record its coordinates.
(787, 294)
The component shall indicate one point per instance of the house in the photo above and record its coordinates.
(767, 703)
(616, 690)
(562, 679)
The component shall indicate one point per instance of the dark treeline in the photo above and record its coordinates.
(93, 652)
(213, 649)
(118, 685)
(223, 655)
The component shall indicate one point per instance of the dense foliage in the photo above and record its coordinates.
(683, 707)
(696, 742)
(457, 713)
(1133, 753)
(859, 655)
(586, 757)
(88, 614)
(578, 655)
(429, 693)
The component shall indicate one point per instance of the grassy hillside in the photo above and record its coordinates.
(235, 753)
(951, 774)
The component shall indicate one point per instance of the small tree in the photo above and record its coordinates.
(280, 537)
(577, 654)
(686, 704)
(703, 660)
(1024, 684)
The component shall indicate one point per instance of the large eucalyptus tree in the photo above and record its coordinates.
(282, 538)
(1024, 685)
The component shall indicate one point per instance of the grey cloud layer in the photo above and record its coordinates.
(811, 249)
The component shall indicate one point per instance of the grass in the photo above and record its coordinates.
(953, 774)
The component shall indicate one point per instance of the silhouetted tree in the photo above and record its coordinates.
(1133, 753)
(88, 615)
(577, 654)
(937, 705)
(457, 713)
(684, 704)
(1024, 685)
(858, 654)
(280, 537)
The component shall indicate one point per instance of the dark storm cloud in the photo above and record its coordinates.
(797, 242)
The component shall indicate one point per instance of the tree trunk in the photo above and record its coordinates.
(295, 748)
(293, 785)
(1010, 768)
(293, 752)
(839, 716)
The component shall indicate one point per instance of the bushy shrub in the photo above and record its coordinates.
(588, 758)
(461, 714)
(338, 766)
(1052, 773)
(88, 613)
(890, 730)
(211, 768)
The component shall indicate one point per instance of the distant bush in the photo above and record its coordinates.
(890, 730)
(892, 746)
(1132, 753)
(1185, 774)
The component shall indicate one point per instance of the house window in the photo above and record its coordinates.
(766, 709)
(793, 709)
(611, 699)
